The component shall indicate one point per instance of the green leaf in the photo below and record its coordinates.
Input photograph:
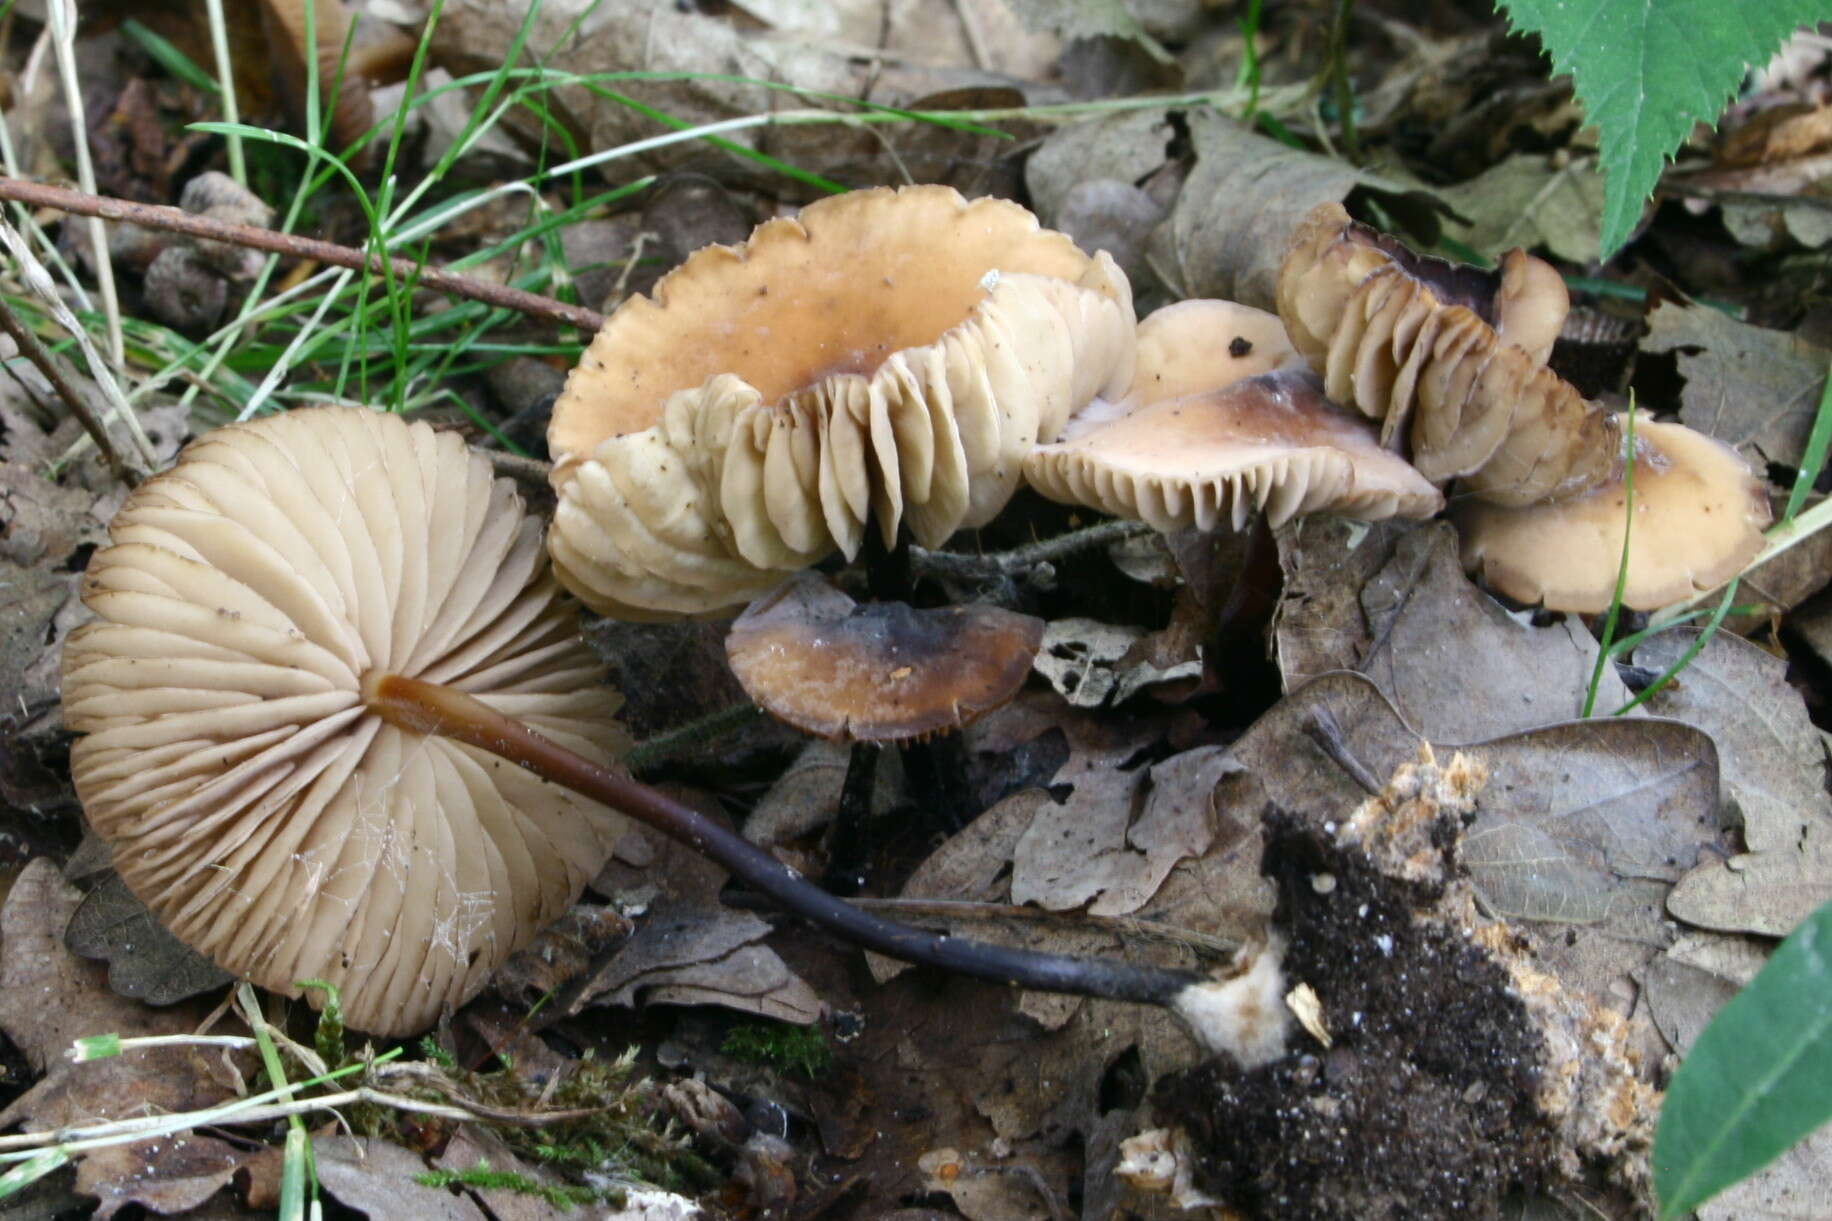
(1758, 1079)
(1647, 70)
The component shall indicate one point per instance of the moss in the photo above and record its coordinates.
(798, 1049)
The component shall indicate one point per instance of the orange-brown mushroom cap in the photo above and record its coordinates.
(879, 671)
(885, 357)
(251, 799)
(1699, 515)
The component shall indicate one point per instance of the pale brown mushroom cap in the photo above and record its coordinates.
(1194, 346)
(887, 356)
(253, 803)
(878, 671)
(1699, 516)
(1271, 442)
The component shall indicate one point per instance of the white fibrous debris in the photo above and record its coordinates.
(1157, 1161)
(1245, 1015)
(1590, 1084)
(1394, 828)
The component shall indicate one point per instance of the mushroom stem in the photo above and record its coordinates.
(423, 707)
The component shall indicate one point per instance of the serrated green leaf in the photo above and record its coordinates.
(1647, 70)
(1758, 1078)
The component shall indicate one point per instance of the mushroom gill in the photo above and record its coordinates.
(1222, 419)
(1452, 362)
(252, 800)
(885, 357)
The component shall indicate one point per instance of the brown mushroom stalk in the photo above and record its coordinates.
(428, 708)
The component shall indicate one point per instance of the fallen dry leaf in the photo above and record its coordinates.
(1456, 664)
(1748, 386)
(1689, 983)
(376, 1179)
(1534, 202)
(1228, 230)
(1767, 892)
(1320, 625)
(1773, 762)
(49, 998)
(174, 1174)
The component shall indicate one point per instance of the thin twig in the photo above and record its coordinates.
(1322, 728)
(1032, 562)
(210, 229)
(38, 280)
(79, 405)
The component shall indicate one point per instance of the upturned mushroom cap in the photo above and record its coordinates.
(881, 671)
(887, 356)
(1450, 359)
(1699, 515)
(1272, 442)
(253, 803)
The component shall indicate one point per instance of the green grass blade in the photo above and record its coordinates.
(1758, 1079)
(1605, 654)
(169, 57)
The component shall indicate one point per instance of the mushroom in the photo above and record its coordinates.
(1222, 419)
(300, 704)
(1456, 358)
(1698, 520)
(879, 672)
(1457, 353)
(887, 356)
(253, 803)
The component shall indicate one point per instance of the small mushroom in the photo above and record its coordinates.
(878, 672)
(1221, 419)
(887, 356)
(306, 712)
(253, 803)
(1698, 520)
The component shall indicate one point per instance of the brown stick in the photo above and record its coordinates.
(80, 407)
(153, 216)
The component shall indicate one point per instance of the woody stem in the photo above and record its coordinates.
(422, 707)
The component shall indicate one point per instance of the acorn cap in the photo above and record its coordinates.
(252, 802)
(1699, 516)
(886, 356)
(879, 671)
(1271, 442)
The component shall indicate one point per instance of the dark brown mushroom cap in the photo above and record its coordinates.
(878, 672)
(252, 801)
(1699, 515)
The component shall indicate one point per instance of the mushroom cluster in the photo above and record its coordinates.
(254, 802)
(338, 726)
(887, 357)
(1452, 362)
